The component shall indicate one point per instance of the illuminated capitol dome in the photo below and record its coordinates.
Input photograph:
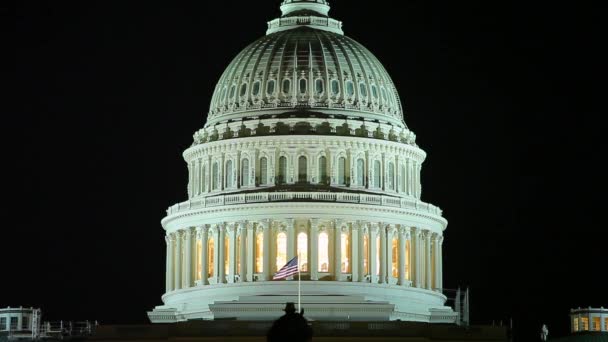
(305, 152)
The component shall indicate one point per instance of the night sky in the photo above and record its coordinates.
(505, 99)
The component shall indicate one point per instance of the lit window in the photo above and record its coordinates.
(238, 254)
(264, 171)
(323, 252)
(584, 323)
(210, 257)
(259, 253)
(345, 253)
(575, 324)
(281, 250)
(395, 261)
(596, 324)
(303, 251)
(407, 259)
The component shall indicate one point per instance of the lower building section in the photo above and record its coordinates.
(321, 300)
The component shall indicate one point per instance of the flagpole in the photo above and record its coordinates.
(299, 287)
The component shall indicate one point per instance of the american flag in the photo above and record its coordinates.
(288, 270)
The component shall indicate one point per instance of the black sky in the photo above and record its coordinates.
(507, 100)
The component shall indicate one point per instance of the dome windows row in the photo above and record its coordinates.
(259, 169)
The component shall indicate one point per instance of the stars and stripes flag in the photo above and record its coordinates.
(288, 270)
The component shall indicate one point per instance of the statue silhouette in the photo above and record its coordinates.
(292, 327)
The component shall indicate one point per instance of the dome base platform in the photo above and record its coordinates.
(321, 300)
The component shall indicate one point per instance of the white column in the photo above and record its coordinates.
(187, 259)
(382, 230)
(243, 251)
(354, 253)
(373, 267)
(362, 231)
(402, 243)
(337, 250)
(232, 253)
(408, 177)
(221, 271)
(427, 257)
(178, 261)
(267, 228)
(291, 238)
(204, 261)
(314, 249)
(250, 251)
(169, 277)
(416, 264)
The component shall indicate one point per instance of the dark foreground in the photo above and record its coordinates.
(323, 331)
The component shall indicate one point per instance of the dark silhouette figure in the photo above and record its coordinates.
(292, 327)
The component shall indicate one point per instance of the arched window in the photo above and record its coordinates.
(365, 254)
(378, 255)
(360, 172)
(395, 255)
(377, 174)
(302, 169)
(350, 88)
(264, 171)
(374, 92)
(363, 89)
(215, 177)
(335, 87)
(210, 257)
(226, 255)
(282, 178)
(345, 253)
(259, 253)
(322, 170)
(256, 88)
(229, 171)
(407, 259)
(281, 250)
(319, 89)
(391, 176)
(232, 91)
(302, 86)
(199, 254)
(286, 86)
(243, 89)
(342, 171)
(270, 87)
(303, 251)
(245, 172)
(323, 252)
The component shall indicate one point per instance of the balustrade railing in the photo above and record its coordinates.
(260, 197)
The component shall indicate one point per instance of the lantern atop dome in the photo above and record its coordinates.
(310, 13)
(318, 7)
